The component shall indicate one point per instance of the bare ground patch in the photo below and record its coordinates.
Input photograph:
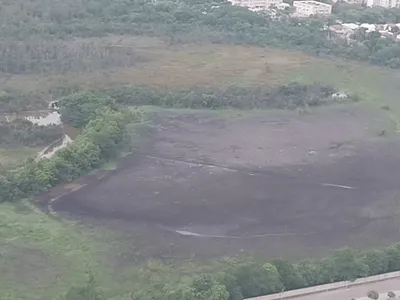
(213, 186)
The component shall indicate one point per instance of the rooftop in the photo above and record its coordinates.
(315, 3)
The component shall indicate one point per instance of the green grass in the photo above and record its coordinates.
(40, 257)
(109, 166)
(377, 86)
(13, 156)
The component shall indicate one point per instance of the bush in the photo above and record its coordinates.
(86, 292)
(240, 278)
(78, 109)
(99, 141)
(373, 295)
(348, 265)
(393, 257)
(289, 275)
(14, 101)
(289, 96)
(255, 279)
(377, 261)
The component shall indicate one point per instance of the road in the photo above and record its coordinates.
(358, 292)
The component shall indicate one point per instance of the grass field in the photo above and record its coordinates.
(11, 157)
(42, 256)
(180, 67)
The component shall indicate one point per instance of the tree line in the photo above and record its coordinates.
(245, 277)
(13, 101)
(349, 13)
(290, 96)
(100, 140)
(40, 24)
(57, 56)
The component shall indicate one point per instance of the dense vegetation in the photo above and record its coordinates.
(79, 108)
(100, 140)
(24, 133)
(372, 15)
(41, 24)
(289, 96)
(14, 101)
(239, 278)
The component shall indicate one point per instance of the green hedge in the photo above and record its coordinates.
(289, 96)
(240, 278)
(77, 109)
(246, 277)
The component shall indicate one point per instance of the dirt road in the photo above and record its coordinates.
(358, 292)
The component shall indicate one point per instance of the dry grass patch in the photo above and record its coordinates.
(175, 67)
(11, 156)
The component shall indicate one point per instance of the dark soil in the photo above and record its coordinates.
(272, 185)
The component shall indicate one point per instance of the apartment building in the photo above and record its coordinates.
(354, 2)
(384, 3)
(309, 8)
(256, 5)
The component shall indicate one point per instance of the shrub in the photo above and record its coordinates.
(86, 292)
(289, 275)
(255, 279)
(373, 295)
(99, 141)
(377, 261)
(393, 257)
(289, 96)
(79, 108)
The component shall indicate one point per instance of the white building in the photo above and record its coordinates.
(383, 3)
(350, 26)
(343, 31)
(359, 2)
(256, 5)
(282, 6)
(355, 2)
(368, 27)
(309, 8)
